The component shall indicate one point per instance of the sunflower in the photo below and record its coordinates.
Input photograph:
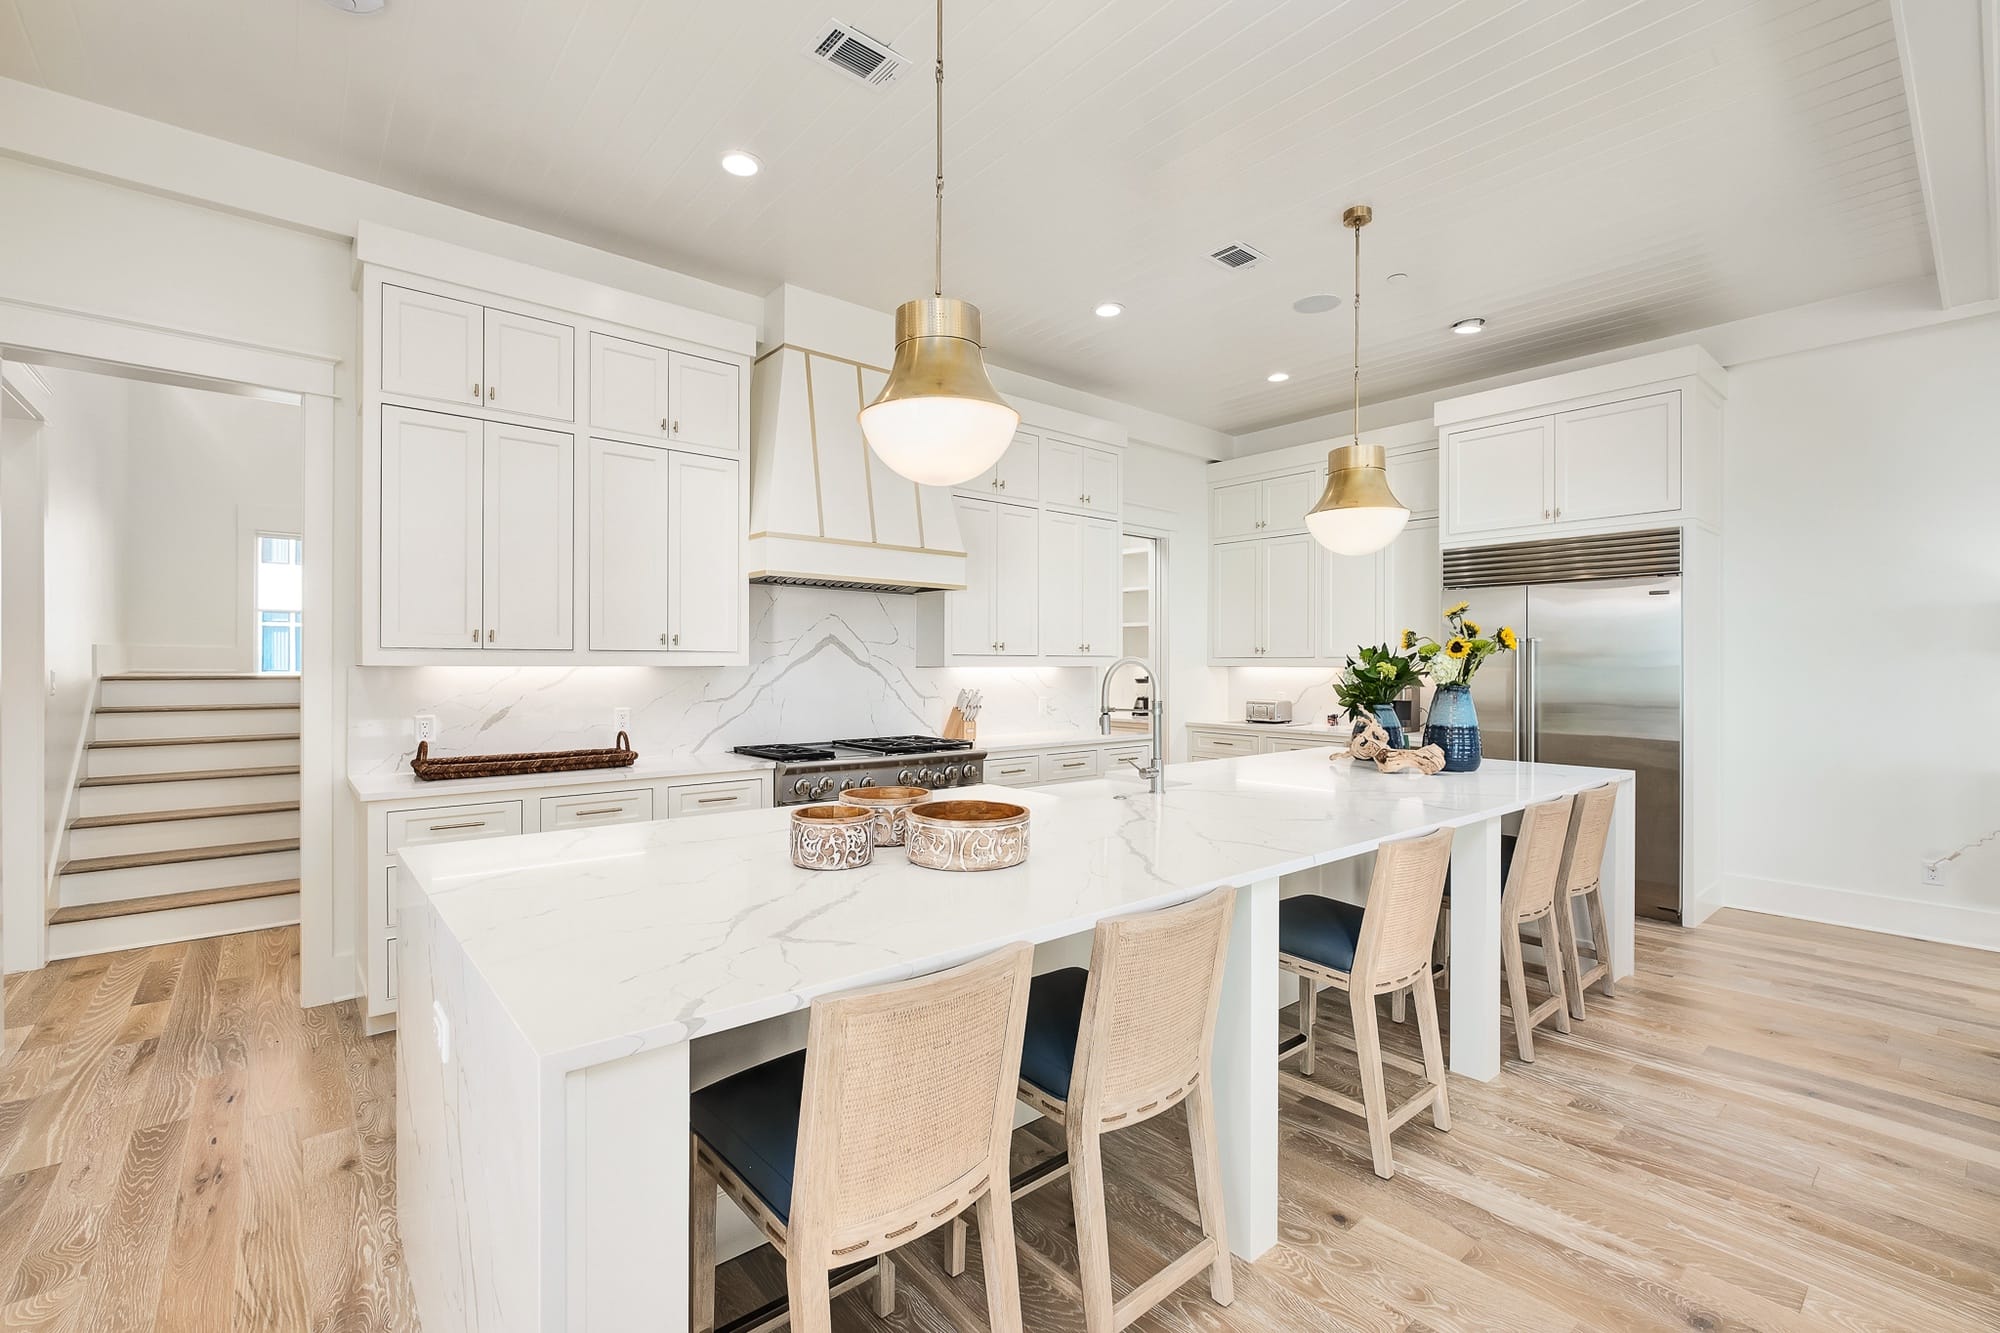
(1409, 639)
(1456, 647)
(1507, 639)
(1459, 610)
(1471, 625)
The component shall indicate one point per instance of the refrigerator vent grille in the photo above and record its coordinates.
(1621, 555)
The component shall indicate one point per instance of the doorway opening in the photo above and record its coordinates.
(280, 585)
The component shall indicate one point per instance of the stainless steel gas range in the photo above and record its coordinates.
(808, 773)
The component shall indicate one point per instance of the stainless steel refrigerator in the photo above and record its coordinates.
(1597, 679)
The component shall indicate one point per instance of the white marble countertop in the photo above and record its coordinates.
(603, 942)
(1304, 727)
(401, 784)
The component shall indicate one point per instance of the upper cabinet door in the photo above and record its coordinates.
(530, 522)
(1020, 559)
(629, 389)
(1619, 458)
(431, 347)
(1286, 500)
(1020, 468)
(1103, 568)
(530, 365)
(704, 402)
(1348, 603)
(1062, 585)
(1286, 609)
(1102, 480)
(1233, 599)
(969, 610)
(707, 598)
(1062, 473)
(630, 515)
(1413, 583)
(433, 504)
(1499, 476)
(1414, 479)
(1235, 511)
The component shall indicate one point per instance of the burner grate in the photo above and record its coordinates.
(897, 745)
(786, 754)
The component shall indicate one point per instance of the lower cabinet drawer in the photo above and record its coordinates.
(453, 823)
(1019, 770)
(709, 798)
(385, 971)
(1069, 765)
(603, 807)
(1222, 744)
(1118, 757)
(1276, 746)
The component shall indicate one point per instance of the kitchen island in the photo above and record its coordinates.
(553, 986)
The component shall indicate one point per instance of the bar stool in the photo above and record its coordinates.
(1530, 896)
(1381, 949)
(1582, 881)
(1111, 1048)
(896, 1117)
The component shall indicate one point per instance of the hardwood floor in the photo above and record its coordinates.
(1776, 1126)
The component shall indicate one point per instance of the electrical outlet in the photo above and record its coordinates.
(427, 726)
(621, 718)
(52, 684)
(1933, 873)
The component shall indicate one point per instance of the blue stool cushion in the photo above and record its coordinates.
(1055, 1016)
(1319, 930)
(751, 1120)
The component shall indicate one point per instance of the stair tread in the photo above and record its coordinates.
(192, 812)
(198, 708)
(202, 675)
(165, 902)
(191, 775)
(144, 741)
(176, 856)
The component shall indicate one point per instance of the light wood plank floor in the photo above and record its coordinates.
(1777, 1126)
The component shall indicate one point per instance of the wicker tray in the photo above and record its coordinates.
(428, 769)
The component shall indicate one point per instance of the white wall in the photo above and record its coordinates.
(1862, 631)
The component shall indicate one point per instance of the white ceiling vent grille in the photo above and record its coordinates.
(1237, 255)
(845, 48)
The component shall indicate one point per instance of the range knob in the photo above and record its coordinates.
(823, 788)
(951, 775)
(803, 789)
(906, 777)
(928, 776)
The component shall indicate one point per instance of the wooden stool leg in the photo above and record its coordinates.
(1600, 937)
(1552, 963)
(811, 1297)
(1208, 1188)
(1398, 1007)
(701, 1244)
(1571, 959)
(1433, 1042)
(885, 1286)
(1309, 1023)
(954, 1259)
(996, 1251)
(1093, 1239)
(1517, 988)
(1374, 1093)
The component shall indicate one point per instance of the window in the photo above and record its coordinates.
(280, 600)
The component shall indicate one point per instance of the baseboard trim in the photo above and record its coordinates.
(1944, 923)
(1703, 905)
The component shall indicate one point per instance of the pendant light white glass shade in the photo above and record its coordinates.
(1357, 514)
(938, 421)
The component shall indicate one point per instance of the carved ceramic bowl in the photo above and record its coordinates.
(832, 837)
(891, 806)
(966, 835)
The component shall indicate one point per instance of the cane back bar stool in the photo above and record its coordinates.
(895, 1118)
(1378, 950)
(1530, 896)
(1582, 881)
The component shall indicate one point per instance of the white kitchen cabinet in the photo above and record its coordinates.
(1235, 511)
(630, 387)
(630, 541)
(1070, 765)
(1500, 477)
(1348, 603)
(712, 798)
(1014, 770)
(1285, 597)
(996, 613)
(433, 505)
(593, 808)
(431, 347)
(530, 513)
(1080, 586)
(1234, 599)
(1413, 583)
(1618, 459)
(1080, 476)
(705, 584)
(1015, 477)
(1019, 559)
(1264, 508)
(704, 402)
(530, 365)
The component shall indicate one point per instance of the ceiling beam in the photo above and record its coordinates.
(1950, 54)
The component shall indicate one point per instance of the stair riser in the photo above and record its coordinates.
(154, 726)
(201, 792)
(124, 839)
(73, 939)
(250, 690)
(103, 886)
(190, 758)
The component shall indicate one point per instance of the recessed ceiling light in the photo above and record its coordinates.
(739, 163)
(1277, 377)
(1473, 325)
(1316, 305)
(1110, 310)
(356, 6)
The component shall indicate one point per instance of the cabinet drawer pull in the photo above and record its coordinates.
(716, 800)
(470, 823)
(491, 393)
(601, 810)
(663, 423)
(475, 391)
(676, 430)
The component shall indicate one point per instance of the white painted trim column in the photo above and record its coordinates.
(1619, 882)
(23, 694)
(1475, 950)
(1246, 1073)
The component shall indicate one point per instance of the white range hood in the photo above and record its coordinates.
(824, 511)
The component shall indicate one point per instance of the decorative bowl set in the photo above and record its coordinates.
(939, 835)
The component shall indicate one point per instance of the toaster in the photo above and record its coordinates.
(1267, 710)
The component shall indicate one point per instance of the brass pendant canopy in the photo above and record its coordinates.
(1357, 513)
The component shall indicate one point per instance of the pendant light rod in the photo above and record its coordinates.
(1355, 218)
(937, 270)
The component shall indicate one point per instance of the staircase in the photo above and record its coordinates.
(185, 822)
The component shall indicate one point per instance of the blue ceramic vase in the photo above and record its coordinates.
(1385, 714)
(1453, 726)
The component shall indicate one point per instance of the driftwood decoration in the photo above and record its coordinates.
(1371, 741)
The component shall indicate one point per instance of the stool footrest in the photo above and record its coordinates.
(776, 1313)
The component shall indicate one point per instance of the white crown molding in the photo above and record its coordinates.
(1950, 56)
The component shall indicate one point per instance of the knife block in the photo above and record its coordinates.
(958, 728)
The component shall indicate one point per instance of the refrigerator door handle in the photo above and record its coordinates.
(1525, 688)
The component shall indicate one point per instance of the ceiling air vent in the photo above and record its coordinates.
(1237, 255)
(855, 54)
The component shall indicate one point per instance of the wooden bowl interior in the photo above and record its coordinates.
(832, 814)
(888, 795)
(968, 812)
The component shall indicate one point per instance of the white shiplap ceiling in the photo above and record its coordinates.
(1582, 173)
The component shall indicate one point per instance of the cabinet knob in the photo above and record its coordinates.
(1545, 513)
(663, 423)
(1003, 645)
(489, 636)
(663, 640)
(1003, 485)
(677, 641)
(475, 391)
(1559, 512)
(677, 428)
(475, 636)
(491, 393)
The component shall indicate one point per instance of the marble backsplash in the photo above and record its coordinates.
(824, 663)
(1309, 689)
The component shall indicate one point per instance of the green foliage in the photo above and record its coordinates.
(1376, 676)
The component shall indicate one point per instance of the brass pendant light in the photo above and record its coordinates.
(939, 420)
(1357, 514)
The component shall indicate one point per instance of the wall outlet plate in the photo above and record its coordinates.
(427, 726)
(1933, 873)
(621, 718)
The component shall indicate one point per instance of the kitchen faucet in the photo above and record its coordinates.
(1155, 772)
